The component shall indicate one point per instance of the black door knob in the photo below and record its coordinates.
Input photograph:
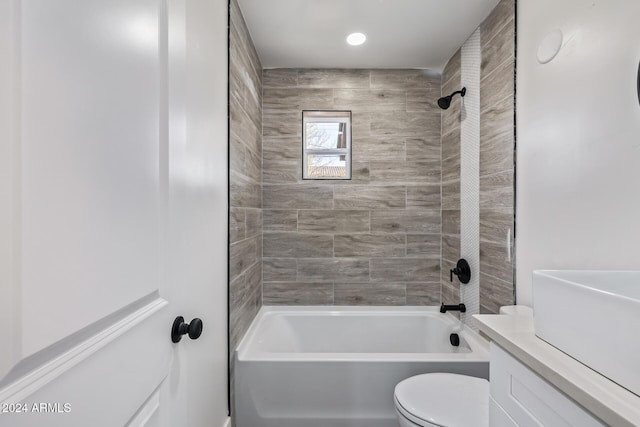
(180, 328)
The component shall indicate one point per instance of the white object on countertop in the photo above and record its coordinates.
(592, 316)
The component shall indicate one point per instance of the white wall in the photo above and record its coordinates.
(578, 148)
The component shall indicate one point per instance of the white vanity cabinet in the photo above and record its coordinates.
(519, 397)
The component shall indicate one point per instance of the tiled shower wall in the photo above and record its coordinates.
(451, 120)
(374, 240)
(245, 179)
(497, 91)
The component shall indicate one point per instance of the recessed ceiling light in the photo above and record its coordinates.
(356, 39)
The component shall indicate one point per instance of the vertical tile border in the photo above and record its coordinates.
(470, 174)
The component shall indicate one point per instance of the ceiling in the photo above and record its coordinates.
(400, 33)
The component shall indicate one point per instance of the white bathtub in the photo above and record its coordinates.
(337, 367)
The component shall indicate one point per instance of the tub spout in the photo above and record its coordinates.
(456, 307)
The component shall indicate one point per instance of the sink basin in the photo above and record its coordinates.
(594, 317)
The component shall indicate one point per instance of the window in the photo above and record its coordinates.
(326, 144)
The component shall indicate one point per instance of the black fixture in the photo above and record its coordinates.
(445, 101)
(455, 307)
(462, 270)
(454, 339)
(179, 328)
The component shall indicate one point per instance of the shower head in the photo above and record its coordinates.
(445, 101)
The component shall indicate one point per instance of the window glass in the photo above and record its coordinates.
(326, 145)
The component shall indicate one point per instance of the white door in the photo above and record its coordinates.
(113, 201)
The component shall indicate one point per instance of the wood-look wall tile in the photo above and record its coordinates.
(254, 277)
(281, 123)
(282, 148)
(427, 171)
(279, 78)
(451, 247)
(451, 169)
(253, 165)
(501, 15)
(367, 148)
(450, 293)
(499, 85)
(370, 294)
(369, 245)
(423, 244)
(333, 221)
(451, 195)
(280, 219)
(241, 256)
(347, 270)
(297, 99)
(369, 197)
(253, 106)
(452, 69)
(494, 261)
(237, 291)
(499, 49)
(424, 196)
(236, 154)
(385, 123)
(419, 221)
(404, 79)
(236, 83)
(243, 127)
(451, 143)
(279, 269)
(495, 224)
(452, 117)
(405, 269)
(364, 100)
(361, 125)
(334, 78)
(298, 197)
(496, 191)
(360, 174)
(424, 124)
(298, 294)
(244, 192)
(254, 222)
(423, 149)
(295, 245)
(497, 138)
(281, 171)
(451, 222)
(245, 163)
(423, 294)
(423, 100)
(237, 230)
(494, 293)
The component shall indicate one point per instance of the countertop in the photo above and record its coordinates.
(602, 397)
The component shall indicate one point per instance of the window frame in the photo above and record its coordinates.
(327, 116)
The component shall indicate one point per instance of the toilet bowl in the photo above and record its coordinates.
(445, 400)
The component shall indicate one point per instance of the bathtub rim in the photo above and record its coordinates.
(478, 345)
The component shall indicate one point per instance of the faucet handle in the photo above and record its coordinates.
(462, 270)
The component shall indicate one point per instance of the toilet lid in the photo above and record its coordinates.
(447, 400)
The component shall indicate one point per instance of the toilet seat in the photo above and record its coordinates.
(444, 400)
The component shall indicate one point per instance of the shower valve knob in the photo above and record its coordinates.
(462, 270)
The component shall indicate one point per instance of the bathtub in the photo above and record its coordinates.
(337, 367)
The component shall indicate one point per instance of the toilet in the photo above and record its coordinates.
(444, 400)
